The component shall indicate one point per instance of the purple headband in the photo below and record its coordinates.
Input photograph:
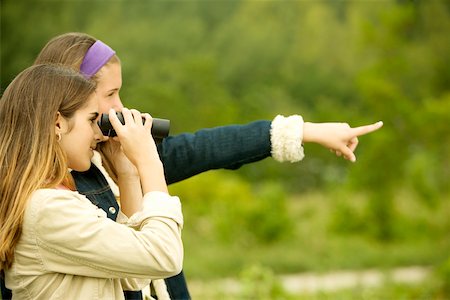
(96, 57)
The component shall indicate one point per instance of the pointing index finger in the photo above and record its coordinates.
(362, 130)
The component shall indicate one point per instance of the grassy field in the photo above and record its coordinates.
(315, 242)
(320, 233)
(270, 288)
(388, 292)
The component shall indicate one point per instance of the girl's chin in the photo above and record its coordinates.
(82, 168)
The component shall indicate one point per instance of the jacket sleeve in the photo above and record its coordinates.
(226, 147)
(75, 237)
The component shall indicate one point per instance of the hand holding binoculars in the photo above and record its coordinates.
(160, 127)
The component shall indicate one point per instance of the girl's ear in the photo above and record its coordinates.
(61, 125)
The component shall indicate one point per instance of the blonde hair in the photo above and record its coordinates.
(69, 49)
(30, 155)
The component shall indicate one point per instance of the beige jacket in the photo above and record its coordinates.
(69, 249)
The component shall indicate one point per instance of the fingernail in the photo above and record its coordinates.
(380, 123)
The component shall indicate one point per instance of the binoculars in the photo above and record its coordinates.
(160, 127)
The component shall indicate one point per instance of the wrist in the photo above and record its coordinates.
(127, 176)
(152, 177)
(308, 132)
(149, 164)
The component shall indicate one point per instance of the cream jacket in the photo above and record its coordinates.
(69, 249)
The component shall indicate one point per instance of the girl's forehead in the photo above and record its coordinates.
(110, 76)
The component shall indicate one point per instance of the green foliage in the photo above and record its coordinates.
(443, 275)
(408, 217)
(320, 237)
(210, 63)
(236, 212)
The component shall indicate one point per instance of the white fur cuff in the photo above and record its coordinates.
(286, 136)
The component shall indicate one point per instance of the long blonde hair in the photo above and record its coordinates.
(30, 155)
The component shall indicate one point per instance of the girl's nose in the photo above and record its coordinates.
(117, 104)
(98, 135)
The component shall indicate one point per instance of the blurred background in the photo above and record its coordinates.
(211, 63)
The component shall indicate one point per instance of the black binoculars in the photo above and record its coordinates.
(160, 127)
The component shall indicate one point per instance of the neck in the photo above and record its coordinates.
(68, 183)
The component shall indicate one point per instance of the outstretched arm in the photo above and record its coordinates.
(230, 147)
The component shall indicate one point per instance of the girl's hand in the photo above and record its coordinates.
(338, 137)
(139, 146)
(135, 137)
(116, 160)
